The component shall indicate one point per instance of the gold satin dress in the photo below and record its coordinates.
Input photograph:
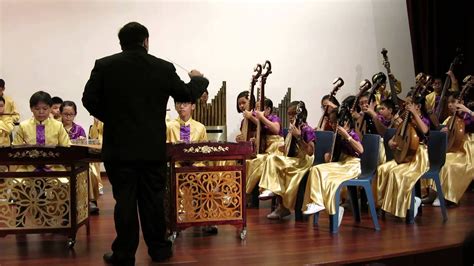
(324, 179)
(255, 166)
(458, 171)
(395, 182)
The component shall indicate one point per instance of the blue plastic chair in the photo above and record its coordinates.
(322, 144)
(437, 145)
(368, 164)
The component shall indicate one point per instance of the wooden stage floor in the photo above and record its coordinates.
(283, 242)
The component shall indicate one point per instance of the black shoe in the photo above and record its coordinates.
(109, 258)
(161, 254)
(211, 229)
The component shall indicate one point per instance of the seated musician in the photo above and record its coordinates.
(374, 123)
(282, 174)
(458, 170)
(6, 125)
(432, 99)
(55, 112)
(271, 135)
(96, 187)
(243, 102)
(185, 129)
(43, 130)
(395, 181)
(386, 112)
(327, 103)
(9, 108)
(324, 179)
(383, 93)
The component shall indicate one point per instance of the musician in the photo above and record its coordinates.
(395, 181)
(383, 92)
(68, 112)
(330, 103)
(386, 111)
(55, 112)
(374, 123)
(272, 134)
(41, 130)
(10, 107)
(458, 170)
(185, 129)
(243, 100)
(324, 179)
(282, 174)
(96, 187)
(6, 125)
(432, 99)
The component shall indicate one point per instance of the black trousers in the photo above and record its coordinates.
(138, 187)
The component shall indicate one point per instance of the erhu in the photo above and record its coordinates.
(246, 127)
(259, 141)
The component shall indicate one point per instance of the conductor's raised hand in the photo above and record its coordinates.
(195, 73)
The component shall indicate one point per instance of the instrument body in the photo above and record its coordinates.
(456, 126)
(290, 142)
(406, 137)
(259, 137)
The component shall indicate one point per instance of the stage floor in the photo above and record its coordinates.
(283, 242)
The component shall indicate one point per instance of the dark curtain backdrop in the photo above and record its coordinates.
(437, 28)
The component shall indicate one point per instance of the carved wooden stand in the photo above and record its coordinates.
(207, 185)
(54, 201)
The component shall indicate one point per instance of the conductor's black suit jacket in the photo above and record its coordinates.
(129, 92)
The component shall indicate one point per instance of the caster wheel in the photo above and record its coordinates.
(243, 234)
(71, 243)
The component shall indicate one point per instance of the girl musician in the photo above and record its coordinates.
(282, 174)
(458, 170)
(395, 181)
(324, 179)
(272, 132)
(383, 93)
(330, 103)
(68, 111)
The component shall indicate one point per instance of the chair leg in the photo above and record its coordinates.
(300, 198)
(254, 198)
(354, 203)
(410, 219)
(442, 202)
(334, 219)
(373, 213)
(316, 218)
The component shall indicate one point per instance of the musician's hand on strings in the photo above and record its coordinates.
(411, 107)
(195, 73)
(462, 107)
(444, 129)
(247, 114)
(450, 73)
(371, 110)
(355, 115)
(239, 138)
(260, 115)
(343, 132)
(294, 130)
(393, 145)
(327, 157)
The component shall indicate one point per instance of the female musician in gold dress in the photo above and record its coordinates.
(324, 179)
(395, 181)
(282, 174)
(458, 170)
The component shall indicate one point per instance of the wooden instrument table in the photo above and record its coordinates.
(47, 200)
(207, 185)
